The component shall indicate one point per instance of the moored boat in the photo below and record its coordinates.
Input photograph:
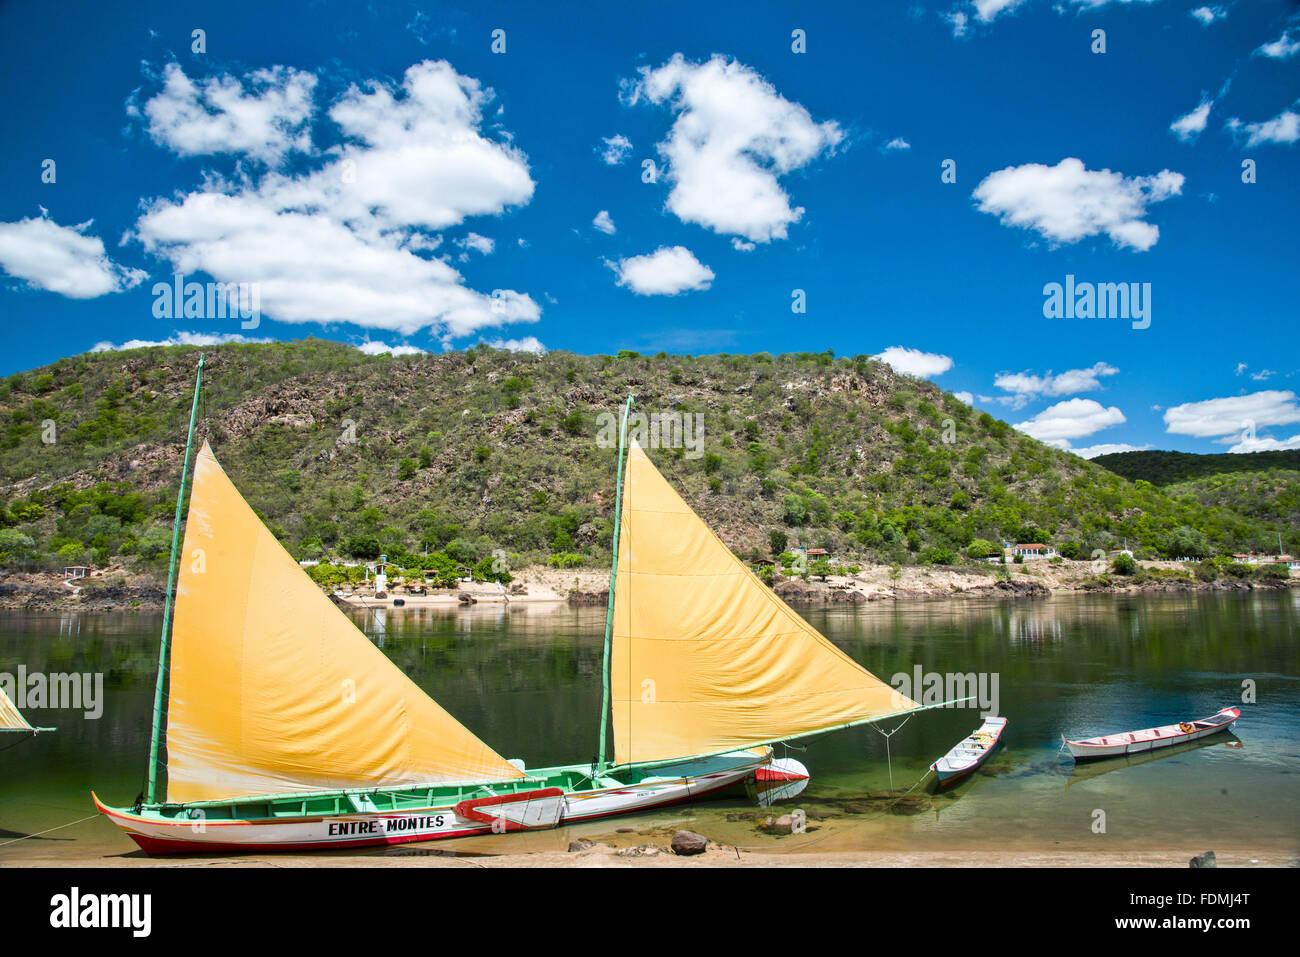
(287, 729)
(970, 752)
(1149, 739)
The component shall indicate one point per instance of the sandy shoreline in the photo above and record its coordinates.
(429, 855)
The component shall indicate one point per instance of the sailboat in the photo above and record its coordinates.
(287, 729)
(11, 719)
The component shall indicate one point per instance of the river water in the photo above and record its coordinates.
(526, 679)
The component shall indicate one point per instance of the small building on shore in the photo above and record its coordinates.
(1029, 551)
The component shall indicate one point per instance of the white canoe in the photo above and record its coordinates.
(1133, 742)
(970, 752)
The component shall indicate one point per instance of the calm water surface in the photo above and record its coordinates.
(526, 679)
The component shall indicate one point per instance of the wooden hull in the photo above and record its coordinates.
(963, 760)
(1150, 739)
(161, 833)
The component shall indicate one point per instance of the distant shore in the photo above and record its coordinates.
(117, 590)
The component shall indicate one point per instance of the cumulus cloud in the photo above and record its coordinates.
(62, 259)
(178, 339)
(480, 244)
(1266, 444)
(1107, 448)
(664, 272)
(1233, 415)
(1207, 15)
(343, 243)
(1283, 48)
(264, 117)
(1283, 129)
(965, 397)
(731, 140)
(1026, 386)
(527, 344)
(914, 362)
(375, 348)
(1191, 125)
(616, 149)
(898, 143)
(604, 223)
(1067, 202)
(1071, 419)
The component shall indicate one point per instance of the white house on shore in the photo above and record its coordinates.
(1028, 552)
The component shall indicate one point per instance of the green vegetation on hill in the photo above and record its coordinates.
(486, 454)
(1169, 468)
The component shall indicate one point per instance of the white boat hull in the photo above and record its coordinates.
(1149, 739)
(368, 829)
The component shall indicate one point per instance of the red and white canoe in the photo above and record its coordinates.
(1133, 742)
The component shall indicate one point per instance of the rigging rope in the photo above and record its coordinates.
(48, 830)
(888, 758)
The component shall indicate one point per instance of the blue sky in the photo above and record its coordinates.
(385, 176)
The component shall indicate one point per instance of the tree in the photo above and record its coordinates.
(778, 539)
(982, 548)
(820, 569)
(1123, 564)
(365, 547)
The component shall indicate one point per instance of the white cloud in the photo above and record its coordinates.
(898, 143)
(216, 115)
(1233, 415)
(474, 241)
(373, 348)
(1266, 444)
(1107, 448)
(1208, 15)
(616, 149)
(733, 136)
(604, 223)
(62, 259)
(965, 397)
(1283, 129)
(1071, 419)
(1284, 47)
(1067, 202)
(178, 339)
(343, 243)
(959, 22)
(914, 362)
(1096, 4)
(1191, 125)
(527, 344)
(1026, 386)
(742, 246)
(664, 272)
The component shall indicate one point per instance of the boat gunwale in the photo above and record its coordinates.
(1102, 740)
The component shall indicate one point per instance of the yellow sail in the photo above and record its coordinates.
(274, 690)
(705, 657)
(11, 719)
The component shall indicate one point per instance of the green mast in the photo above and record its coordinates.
(613, 577)
(167, 604)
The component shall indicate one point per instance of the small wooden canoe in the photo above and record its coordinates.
(970, 752)
(1133, 742)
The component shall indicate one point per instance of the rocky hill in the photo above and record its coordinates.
(466, 453)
